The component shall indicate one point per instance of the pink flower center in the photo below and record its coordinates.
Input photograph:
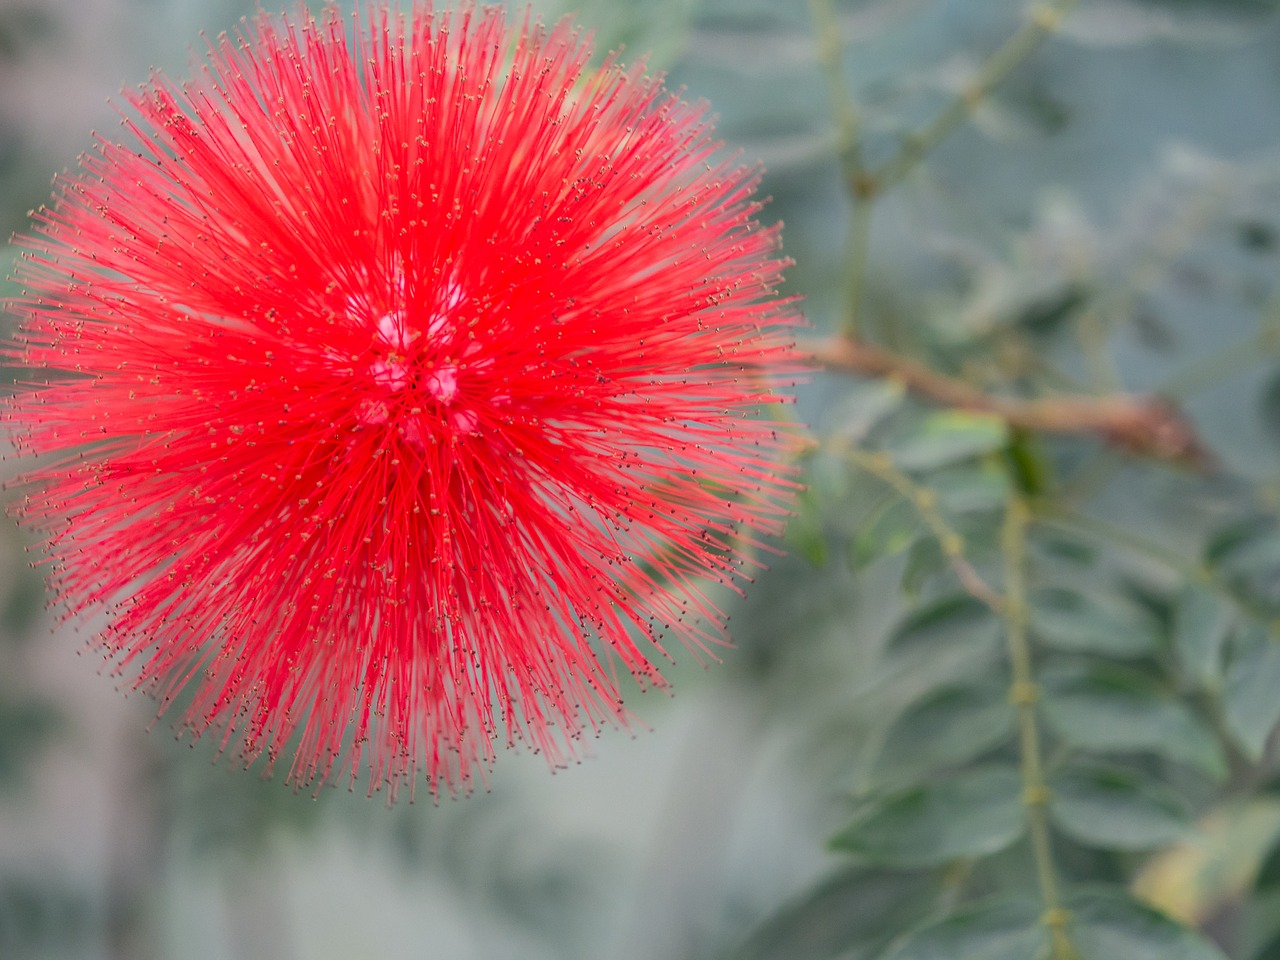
(411, 390)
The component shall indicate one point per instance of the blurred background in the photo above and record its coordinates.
(1133, 157)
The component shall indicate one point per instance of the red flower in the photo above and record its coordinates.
(397, 390)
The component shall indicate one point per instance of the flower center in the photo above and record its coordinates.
(413, 390)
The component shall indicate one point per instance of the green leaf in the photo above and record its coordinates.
(805, 533)
(1219, 866)
(1270, 951)
(851, 916)
(941, 621)
(1060, 548)
(1117, 809)
(1235, 536)
(1109, 708)
(1269, 872)
(938, 644)
(973, 815)
(1247, 548)
(1012, 117)
(1073, 621)
(950, 727)
(906, 675)
(1029, 468)
(1201, 621)
(863, 408)
(1004, 929)
(949, 437)
(1251, 696)
(1259, 555)
(889, 531)
(1269, 401)
(925, 559)
(1110, 926)
(971, 488)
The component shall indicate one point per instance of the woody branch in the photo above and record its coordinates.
(1142, 424)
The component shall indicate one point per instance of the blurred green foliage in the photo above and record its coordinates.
(1104, 602)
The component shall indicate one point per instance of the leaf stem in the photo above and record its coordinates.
(1024, 693)
(925, 501)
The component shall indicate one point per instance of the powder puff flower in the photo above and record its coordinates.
(396, 387)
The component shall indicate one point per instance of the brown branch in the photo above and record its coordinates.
(1147, 425)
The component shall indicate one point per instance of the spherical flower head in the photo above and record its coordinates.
(397, 386)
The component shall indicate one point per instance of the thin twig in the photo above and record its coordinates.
(1146, 425)
(1043, 21)
(845, 110)
(830, 57)
(925, 501)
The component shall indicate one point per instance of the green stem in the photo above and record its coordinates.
(844, 107)
(925, 501)
(1024, 693)
(1042, 22)
(856, 276)
(830, 57)
(865, 187)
